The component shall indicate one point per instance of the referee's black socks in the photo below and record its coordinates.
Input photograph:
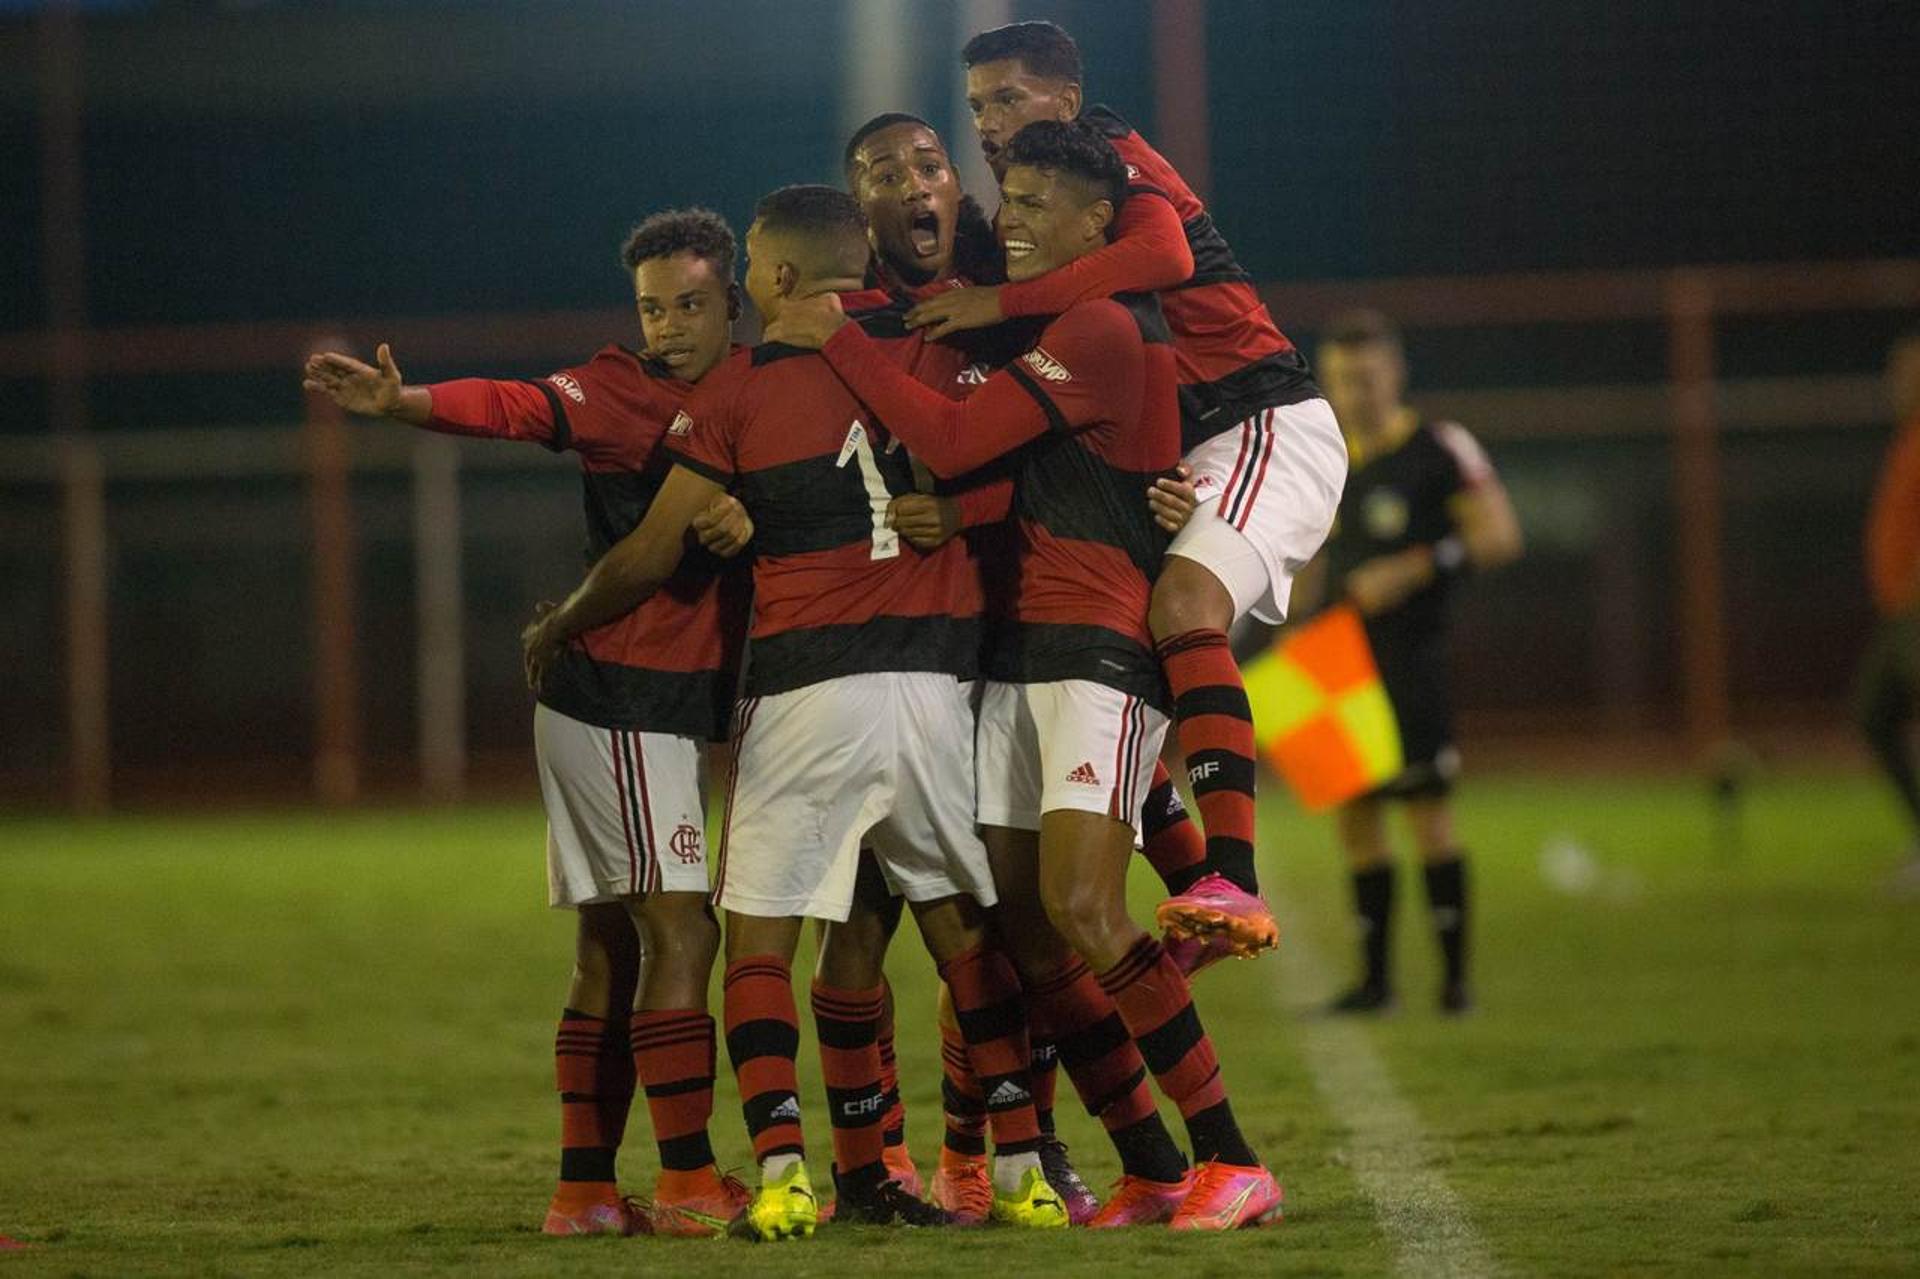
(1447, 904)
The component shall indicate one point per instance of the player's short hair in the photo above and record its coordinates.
(1075, 147)
(885, 120)
(701, 232)
(1362, 327)
(1042, 48)
(826, 220)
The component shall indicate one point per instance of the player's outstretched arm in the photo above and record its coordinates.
(375, 390)
(636, 566)
(1149, 252)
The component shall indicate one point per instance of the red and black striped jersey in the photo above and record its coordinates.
(836, 592)
(1093, 413)
(671, 665)
(1233, 360)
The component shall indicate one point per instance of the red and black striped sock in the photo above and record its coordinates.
(763, 1038)
(673, 1053)
(593, 1069)
(1106, 1069)
(993, 1020)
(960, 1095)
(848, 1024)
(1215, 727)
(1046, 1080)
(1153, 998)
(895, 1126)
(1171, 843)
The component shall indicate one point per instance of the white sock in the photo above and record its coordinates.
(774, 1167)
(1008, 1170)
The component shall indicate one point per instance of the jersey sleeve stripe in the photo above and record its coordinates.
(702, 469)
(562, 428)
(1056, 420)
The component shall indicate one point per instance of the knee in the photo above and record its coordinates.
(1097, 928)
(1188, 599)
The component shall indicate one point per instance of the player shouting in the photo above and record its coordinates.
(856, 723)
(1073, 712)
(618, 729)
(1265, 451)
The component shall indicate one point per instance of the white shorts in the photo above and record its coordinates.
(1066, 744)
(1269, 489)
(624, 811)
(886, 758)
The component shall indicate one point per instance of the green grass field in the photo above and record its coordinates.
(321, 1044)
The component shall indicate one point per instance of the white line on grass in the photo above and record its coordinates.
(1389, 1147)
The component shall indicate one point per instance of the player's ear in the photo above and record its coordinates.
(785, 278)
(1070, 102)
(1099, 217)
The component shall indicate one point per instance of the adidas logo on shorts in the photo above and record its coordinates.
(788, 1109)
(1009, 1094)
(1084, 776)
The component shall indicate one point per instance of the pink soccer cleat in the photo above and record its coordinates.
(615, 1215)
(1138, 1202)
(963, 1186)
(1229, 1197)
(1217, 908)
(1192, 954)
(899, 1162)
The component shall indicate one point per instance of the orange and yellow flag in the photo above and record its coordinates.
(1320, 712)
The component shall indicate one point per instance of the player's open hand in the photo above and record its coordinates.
(724, 527)
(807, 322)
(539, 646)
(1172, 499)
(354, 386)
(957, 310)
(924, 520)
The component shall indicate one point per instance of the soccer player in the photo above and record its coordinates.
(1889, 684)
(1073, 714)
(618, 729)
(855, 724)
(1265, 451)
(928, 237)
(1423, 507)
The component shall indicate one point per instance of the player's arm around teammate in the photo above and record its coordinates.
(617, 742)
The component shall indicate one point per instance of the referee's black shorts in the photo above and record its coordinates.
(1414, 671)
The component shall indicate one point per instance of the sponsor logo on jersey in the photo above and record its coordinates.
(973, 375)
(681, 425)
(685, 843)
(1133, 173)
(1046, 366)
(1084, 775)
(569, 387)
(856, 436)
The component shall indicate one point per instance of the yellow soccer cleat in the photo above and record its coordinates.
(1035, 1206)
(780, 1209)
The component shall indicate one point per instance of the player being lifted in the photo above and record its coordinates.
(855, 724)
(1265, 451)
(1073, 711)
(1423, 507)
(618, 729)
(928, 237)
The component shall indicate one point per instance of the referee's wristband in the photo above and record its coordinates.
(1450, 558)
